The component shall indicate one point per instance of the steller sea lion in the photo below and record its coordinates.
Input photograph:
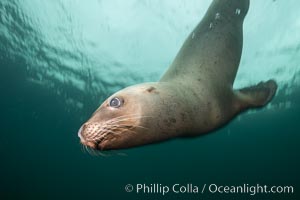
(193, 97)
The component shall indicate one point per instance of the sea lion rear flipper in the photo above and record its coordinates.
(256, 96)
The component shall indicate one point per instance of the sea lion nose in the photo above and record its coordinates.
(83, 133)
(79, 133)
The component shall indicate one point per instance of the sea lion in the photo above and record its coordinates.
(193, 97)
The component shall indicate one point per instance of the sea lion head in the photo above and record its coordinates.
(123, 120)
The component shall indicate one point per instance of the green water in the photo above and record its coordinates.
(60, 59)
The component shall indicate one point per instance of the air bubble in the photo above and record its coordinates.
(217, 16)
(210, 25)
(193, 35)
(237, 11)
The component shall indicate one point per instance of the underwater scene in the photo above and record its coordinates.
(61, 59)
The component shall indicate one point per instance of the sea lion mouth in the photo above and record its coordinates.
(83, 134)
(102, 136)
(100, 139)
(93, 144)
(110, 139)
(100, 144)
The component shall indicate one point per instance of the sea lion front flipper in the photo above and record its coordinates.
(256, 96)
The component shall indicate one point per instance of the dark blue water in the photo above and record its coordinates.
(60, 59)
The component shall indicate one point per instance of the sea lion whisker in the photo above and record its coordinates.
(83, 150)
(121, 127)
(116, 127)
(102, 136)
(126, 118)
(120, 153)
(91, 151)
(120, 117)
(110, 129)
(128, 125)
(95, 153)
(132, 117)
(121, 130)
(99, 138)
(82, 147)
(94, 133)
(101, 153)
(135, 126)
(86, 148)
(128, 130)
(98, 132)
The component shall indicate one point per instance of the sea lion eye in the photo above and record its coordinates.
(115, 102)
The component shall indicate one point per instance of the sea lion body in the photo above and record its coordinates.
(208, 62)
(193, 97)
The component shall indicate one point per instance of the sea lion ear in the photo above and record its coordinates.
(152, 89)
(257, 95)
